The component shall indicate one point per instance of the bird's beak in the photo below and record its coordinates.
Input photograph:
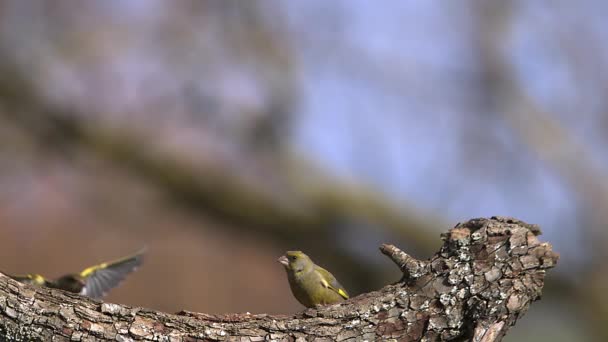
(283, 260)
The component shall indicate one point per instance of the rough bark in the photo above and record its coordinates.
(484, 278)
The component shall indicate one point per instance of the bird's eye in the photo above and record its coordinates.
(292, 257)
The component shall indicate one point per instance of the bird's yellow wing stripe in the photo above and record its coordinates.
(339, 291)
(88, 271)
(35, 278)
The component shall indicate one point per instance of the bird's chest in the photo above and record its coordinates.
(308, 289)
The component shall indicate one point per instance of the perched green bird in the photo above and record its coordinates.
(94, 281)
(311, 284)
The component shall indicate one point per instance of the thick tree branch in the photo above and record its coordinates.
(481, 281)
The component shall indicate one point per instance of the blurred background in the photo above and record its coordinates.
(222, 133)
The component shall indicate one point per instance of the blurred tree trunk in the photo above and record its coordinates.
(479, 283)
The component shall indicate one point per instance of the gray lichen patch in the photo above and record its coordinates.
(493, 274)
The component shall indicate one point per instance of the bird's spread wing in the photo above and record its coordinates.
(330, 282)
(102, 278)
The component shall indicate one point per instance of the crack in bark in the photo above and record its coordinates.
(470, 290)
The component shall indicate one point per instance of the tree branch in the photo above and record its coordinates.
(484, 278)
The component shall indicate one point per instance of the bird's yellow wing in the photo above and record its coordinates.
(330, 282)
(99, 279)
(34, 279)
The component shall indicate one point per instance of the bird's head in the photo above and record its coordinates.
(295, 261)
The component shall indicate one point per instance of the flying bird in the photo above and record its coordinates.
(94, 281)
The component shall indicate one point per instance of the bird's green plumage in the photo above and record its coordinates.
(311, 284)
